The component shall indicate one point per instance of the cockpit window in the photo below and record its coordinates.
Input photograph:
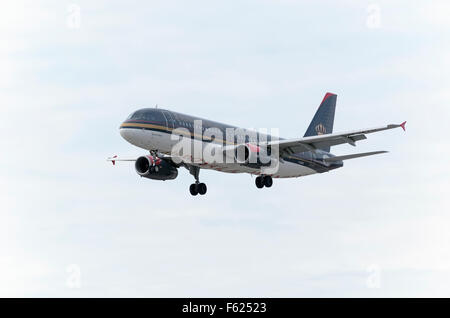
(138, 115)
(147, 115)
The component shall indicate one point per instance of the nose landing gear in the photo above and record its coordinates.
(263, 181)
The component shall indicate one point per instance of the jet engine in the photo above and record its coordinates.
(252, 155)
(155, 168)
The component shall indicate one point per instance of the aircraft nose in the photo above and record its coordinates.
(125, 133)
(133, 136)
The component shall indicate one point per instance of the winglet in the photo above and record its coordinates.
(403, 125)
(113, 161)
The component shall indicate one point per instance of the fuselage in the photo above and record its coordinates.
(153, 129)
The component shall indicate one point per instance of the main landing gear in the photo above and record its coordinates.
(263, 181)
(197, 187)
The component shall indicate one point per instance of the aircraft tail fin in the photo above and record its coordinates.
(323, 120)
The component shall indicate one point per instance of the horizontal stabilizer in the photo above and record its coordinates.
(115, 158)
(356, 155)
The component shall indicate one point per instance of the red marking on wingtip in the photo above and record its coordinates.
(113, 161)
(326, 96)
(403, 125)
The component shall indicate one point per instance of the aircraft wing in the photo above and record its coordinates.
(115, 158)
(316, 142)
(356, 155)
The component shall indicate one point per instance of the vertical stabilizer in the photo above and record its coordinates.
(323, 120)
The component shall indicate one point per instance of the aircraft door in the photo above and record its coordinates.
(169, 119)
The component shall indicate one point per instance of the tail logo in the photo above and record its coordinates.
(320, 129)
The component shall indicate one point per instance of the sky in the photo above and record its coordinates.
(72, 225)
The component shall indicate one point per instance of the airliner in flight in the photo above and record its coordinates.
(161, 131)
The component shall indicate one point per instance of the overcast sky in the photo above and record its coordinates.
(73, 225)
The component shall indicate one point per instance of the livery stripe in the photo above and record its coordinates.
(315, 165)
(161, 128)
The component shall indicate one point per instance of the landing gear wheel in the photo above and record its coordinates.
(193, 189)
(197, 187)
(268, 181)
(259, 181)
(201, 188)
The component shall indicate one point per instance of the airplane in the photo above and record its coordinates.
(159, 131)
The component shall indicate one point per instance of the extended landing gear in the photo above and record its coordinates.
(197, 187)
(263, 181)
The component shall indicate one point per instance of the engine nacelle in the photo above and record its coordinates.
(252, 155)
(155, 168)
